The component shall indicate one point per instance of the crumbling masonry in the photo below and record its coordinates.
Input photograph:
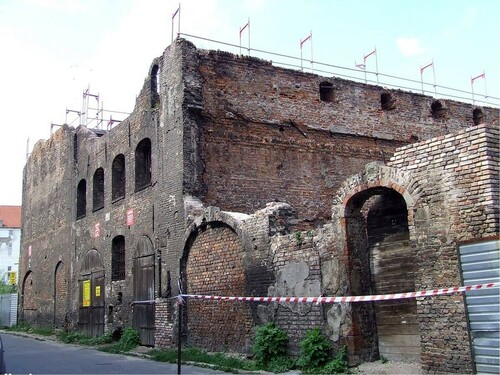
(235, 177)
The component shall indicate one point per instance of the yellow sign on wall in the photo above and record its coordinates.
(98, 291)
(12, 278)
(86, 293)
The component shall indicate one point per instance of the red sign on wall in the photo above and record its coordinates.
(130, 217)
(97, 230)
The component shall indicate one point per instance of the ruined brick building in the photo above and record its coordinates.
(240, 178)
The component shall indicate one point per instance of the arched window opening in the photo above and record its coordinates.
(75, 148)
(438, 109)
(98, 192)
(81, 199)
(478, 116)
(155, 79)
(118, 178)
(326, 93)
(118, 258)
(143, 164)
(155, 86)
(387, 102)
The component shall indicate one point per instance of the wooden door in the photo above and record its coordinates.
(144, 291)
(92, 298)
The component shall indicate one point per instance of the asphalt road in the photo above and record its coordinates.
(27, 355)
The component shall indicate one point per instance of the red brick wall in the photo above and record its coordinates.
(458, 175)
(265, 163)
(215, 266)
(267, 137)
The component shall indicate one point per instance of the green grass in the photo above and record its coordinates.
(217, 361)
(128, 341)
(78, 338)
(24, 327)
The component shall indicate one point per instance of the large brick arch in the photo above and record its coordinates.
(213, 264)
(375, 175)
(373, 219)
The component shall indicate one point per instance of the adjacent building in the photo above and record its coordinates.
(235, 177)
(10, 242)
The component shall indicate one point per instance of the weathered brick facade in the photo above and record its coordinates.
(235, 177)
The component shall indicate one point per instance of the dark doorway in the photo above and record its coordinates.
(144, 291)
(28, 299)
(91, 290)
(60, 295)
(381, 262)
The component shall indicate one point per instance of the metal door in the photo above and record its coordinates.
(480, 264)
(144, 291)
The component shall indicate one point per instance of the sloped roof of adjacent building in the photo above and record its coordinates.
(10, 216)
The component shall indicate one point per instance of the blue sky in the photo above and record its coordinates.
(54, 49)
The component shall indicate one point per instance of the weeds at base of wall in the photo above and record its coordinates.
(270, 350)
(217, 361)
(25, 327)
(129, 340)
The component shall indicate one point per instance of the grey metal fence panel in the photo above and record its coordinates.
(8, 310)
(481, 264)
(13, 309)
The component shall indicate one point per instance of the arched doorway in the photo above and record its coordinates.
(144, 291)
(91, 287)
(381, 262)
(28, 301)
(213, 264)
(60, 295)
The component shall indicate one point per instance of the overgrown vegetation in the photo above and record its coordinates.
(217, 361)
(339, 364)
(315, 355)
(270, 350)
(270, 346)
(315, 350)
(78, 338)
(128, 340)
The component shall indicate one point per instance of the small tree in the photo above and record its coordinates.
(315, 350)
(6, 288)
(270, 343)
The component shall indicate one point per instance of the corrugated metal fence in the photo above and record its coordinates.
(481, 264)
(8, 310)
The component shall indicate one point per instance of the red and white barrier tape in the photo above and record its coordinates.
(381, 297)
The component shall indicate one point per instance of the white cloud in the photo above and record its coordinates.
(409, 46)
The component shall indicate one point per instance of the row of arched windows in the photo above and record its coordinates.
(118, 179)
